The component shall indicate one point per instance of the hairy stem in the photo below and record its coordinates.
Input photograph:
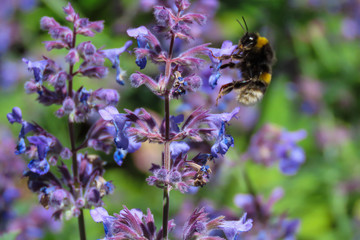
(167, 163)
(74, 150)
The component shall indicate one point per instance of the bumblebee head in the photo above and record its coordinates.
(249, 40)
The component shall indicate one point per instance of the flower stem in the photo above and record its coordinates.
(253, 193)
(77, 184)
(81, 224)
(167, 163)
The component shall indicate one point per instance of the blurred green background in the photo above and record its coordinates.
(315, 87)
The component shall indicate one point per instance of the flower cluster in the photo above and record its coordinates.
(63, 196)
(134, 224)
(128, 224)
(271, 144)
(83, 186)
(77, 104)
(32, 225)
(41, 145)
(176, 132)
(183, 173)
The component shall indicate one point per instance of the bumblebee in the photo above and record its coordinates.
(254, 58)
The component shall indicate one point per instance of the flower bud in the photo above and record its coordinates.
(72, 57)
(161, 174)
(80, 202)
(175, 177)
(75, 212)
(68, 105)
(53, 160)
(93, 197)
(31, 87)
(65, 153)
(61, 79)
(60, 112)
(48, 22)
(58, 198)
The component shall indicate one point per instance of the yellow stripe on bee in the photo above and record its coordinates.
(266, 77)
(261, 42)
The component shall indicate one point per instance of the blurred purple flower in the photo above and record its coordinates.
(232, 228)
(271, 144)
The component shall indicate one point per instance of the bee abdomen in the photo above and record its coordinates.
(251, 93)
(265, 77)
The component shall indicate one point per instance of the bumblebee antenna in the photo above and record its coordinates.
(247, 30)
(240, 24)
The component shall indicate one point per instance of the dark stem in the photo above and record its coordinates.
(167, 163)
(81, 224)
(252, 191)
(77, 184)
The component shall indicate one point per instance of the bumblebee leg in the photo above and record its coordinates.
(225, 89)
(237, 57)
(221, 57)
(230, 65)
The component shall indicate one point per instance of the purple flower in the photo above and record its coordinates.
(113, 55)
(50, 45)
(72, 57)
(128, 224)
(222, 143)
(40, 165)
(109, 96)
(122, 141)
(177, 148)
(137, 79)
(47, 23)
(291, 158)
(94, 71)
(119, 120)
(70, 12)
(232, 228)
(177, 23)
(215, 75)
(68, 105)
(199, 226)
(271, 144)
(226, 49)
(144, 39)
(37, 68)
(15, 115)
